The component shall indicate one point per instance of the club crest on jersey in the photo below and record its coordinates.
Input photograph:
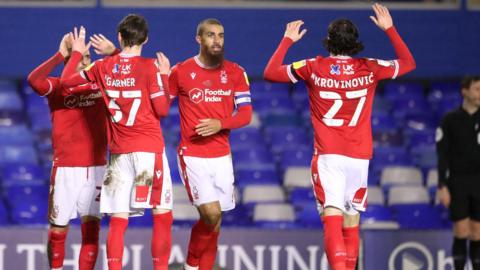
(223, 76)
(335, 69)
(70, 101)
(193, 75)
(348, 69)
(196, 196)
(158, 173)
(168, 196)
(196, 95)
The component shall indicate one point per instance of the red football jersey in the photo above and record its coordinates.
(341, 91)
(78, 125)
(207, 93)
(129, 83)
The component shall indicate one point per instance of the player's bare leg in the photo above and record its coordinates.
(161, 238)
(351, 239)
(475, 244)
(89, 250)
(202, 249)
(56, 245)
(115, 244)
(333, 237)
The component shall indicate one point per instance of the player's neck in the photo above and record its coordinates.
(208, 62)
(469, 107)
(134, 50)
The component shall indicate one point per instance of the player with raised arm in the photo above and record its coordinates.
(209, 89)
(135, 91)
(341, 90)
(79, 148)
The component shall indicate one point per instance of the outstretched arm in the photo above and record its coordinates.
(384, 21)
(275, 70)
(161, 98)
(38, 78)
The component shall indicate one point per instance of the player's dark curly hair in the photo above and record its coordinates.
(467, 81)
(342, 38)
(133, 29)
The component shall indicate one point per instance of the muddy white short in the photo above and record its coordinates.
(74, 191)
(136, 181)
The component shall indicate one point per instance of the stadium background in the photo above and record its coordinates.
(404, 228)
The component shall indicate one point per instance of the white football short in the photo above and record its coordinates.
(74, 191)
(136, 181)
(208, 180)
(341, 182)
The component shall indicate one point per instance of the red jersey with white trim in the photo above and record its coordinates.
(129, 83)
(207, 93)
(78, 118)
(341, 91)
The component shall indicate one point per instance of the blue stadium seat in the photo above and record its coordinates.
(300, 196)
(425, 137)
(249, 137)
(40, 121)
(11, 118)
(301, 157)
(387, 138)
(7, 85)
(238, 217)
(404, 107)
(252, 156)
(447, 105)
(376, 213)
(29, 212)
(15, 135)
(4, 214)
(383, 122)
(265, 90)
(25, 154)
(10, 101)
(383, 156)
(396, 90)
(264, 106)
(283, 138)
(424, 156)
(248, 176)
(381, 105)
(307, 215)
(419, 123)
(36, 104)
(282, 118)
(417, 216)
(23, 173)
(15, 194)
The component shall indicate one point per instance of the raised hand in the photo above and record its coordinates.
(208, 127)
(65, 46)
(102, 45)
(382, 17)
(78, 40)
(163, 63)
(293, 30)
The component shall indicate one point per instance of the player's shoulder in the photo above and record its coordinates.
(375, 62)
(232, 66)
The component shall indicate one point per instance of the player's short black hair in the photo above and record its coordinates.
(133, 29)
(467, 81)
(209, 21)
(342, 38)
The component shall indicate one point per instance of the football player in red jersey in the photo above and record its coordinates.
(79, 149)
(209, 90)
(341, 90)
(135, 91)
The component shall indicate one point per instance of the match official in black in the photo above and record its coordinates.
(458, 149)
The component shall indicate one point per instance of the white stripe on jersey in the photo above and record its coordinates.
(395, 74)
(113, 93)
(243, 100)
(159, 80)
(290, 75)
(50, 88)
(132, 94)
(242, 93)
(83, 75)
(158, 94)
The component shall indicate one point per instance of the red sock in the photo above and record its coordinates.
(116, 232)
(56, 247)
(333, 241)
(352, 240)
(199, 241)
(207, 261)
(89, 250)
(161, 240)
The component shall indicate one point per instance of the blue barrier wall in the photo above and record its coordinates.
(444, 42)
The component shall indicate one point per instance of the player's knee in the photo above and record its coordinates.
(212, 217)
(475, 231)
(461, 229)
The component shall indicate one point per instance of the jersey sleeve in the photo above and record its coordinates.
(158, 90)
(299, 71)
(384, 69)
(443, 140)
(242, 88)
(173, 82)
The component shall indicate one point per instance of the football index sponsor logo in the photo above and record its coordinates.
(208, 95)
(71, 101)
(410, 256)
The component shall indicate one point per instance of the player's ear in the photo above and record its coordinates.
(120, 41)
(198, 39)
(145, 42)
